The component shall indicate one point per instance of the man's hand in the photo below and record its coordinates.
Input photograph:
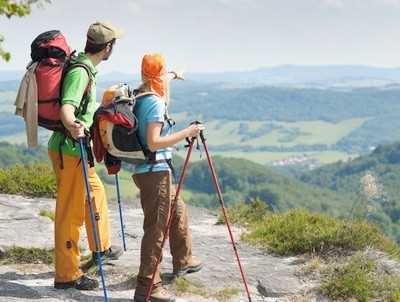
(77, 130)
(74, 127)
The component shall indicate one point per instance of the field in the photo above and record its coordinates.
(234, 140)
(259, 134)
(267, 157)
(234, 136)
(127, 186)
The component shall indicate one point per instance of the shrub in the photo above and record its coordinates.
(359, 280)
(20, 255)
(246, 213)
(34, 180)
(299, 231)
(351, 281)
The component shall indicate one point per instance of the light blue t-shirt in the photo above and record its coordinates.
(151, 109)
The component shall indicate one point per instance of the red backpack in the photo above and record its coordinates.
(55, 59)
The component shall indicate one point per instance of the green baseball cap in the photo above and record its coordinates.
(103, 32)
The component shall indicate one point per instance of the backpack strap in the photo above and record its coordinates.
(151, 156)
(167, 118)
(82, 109)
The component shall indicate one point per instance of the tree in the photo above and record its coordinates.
(10, 8)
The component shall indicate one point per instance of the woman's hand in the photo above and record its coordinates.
(155, 141)
(176, 74)
(194, 130)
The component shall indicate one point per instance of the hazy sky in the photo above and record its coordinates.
(218, 35)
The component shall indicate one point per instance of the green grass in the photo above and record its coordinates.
(247, 214)
(38, 181)
(35, 180)
(47, 213)
(20, 255)
(359, 280)
(183, 286)
(299, 231)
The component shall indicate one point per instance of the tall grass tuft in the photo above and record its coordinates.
(34, 180)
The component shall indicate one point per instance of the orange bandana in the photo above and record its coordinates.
(153, 69)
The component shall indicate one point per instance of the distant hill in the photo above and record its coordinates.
(328, 75)
(285, 75)
(11, 155)
(284, 104)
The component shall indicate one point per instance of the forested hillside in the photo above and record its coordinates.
(242, 180)
(374, 179)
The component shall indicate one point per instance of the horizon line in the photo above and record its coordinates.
(327, 65)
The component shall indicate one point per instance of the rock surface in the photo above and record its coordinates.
(270, 278)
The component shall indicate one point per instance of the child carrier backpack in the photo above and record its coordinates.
(115, 130)
(53, 59)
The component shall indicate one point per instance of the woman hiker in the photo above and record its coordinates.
(154, 181)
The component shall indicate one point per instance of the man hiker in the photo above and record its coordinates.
(71, 206)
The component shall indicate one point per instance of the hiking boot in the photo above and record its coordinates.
(82, 283)
(193, 266)
(159, 294)
(113, 253)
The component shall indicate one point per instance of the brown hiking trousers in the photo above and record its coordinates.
(156, 197)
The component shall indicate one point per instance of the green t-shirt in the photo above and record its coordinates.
(74, 86)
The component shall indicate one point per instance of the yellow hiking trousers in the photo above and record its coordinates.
(72, 212)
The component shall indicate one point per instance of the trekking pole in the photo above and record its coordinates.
(120, 211)
(172, 213)
(92, 216)
(221, 201)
